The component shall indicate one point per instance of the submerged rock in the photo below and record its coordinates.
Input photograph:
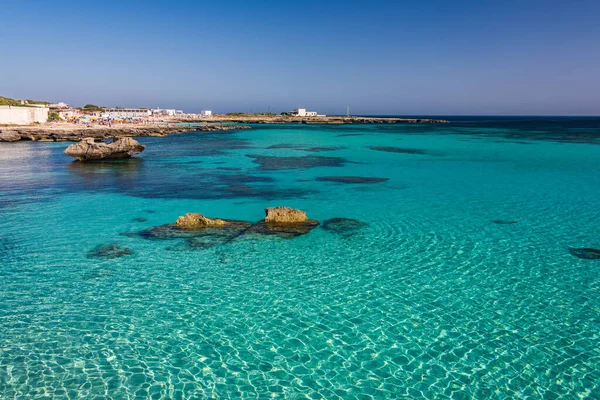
(343, 226)
(195, 221)
(350, 179)
(120, 148)
(586, 253)
(284, 230)
(503, 222)
(392, 149)
(9, 136)
(139, 219)
(284, 215)
(109, 251)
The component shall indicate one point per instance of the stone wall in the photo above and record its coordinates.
(23, 115)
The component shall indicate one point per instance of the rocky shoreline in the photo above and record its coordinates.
(329, 120)
(74, 133)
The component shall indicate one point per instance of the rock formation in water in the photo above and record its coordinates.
(9, 136)
(284, 222)
(120, 148)
(196, 221)
(284, 215)
(586, 253)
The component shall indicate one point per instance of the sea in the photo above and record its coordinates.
(452, 261)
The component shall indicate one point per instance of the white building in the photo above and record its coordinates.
(206, 113)
(301, 112)
(59, 106)
(166, 112)
(126, 113)
(23, 115)
(69, 113)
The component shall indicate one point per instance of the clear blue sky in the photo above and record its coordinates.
(378, 57)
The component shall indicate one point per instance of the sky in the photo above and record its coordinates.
(461, 57)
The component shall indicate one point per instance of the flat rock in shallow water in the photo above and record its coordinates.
(350, 179)
(231, 229)
(283, 230)
(109, 251)
(586, 253)
(343, 226)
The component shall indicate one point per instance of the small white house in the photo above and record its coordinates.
(301, 112)
(206, 113)
(58, 106)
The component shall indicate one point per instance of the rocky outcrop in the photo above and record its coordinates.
(196, 221)
(284, 215)
(75, 133)
(284, 222)
(88, 149)
(200, 232)
(9, 136)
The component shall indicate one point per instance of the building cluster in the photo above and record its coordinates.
(301, 112)
(40, 113)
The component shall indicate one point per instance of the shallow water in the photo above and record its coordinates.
(461, 285)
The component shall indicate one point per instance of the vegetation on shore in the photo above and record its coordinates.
(7, 101)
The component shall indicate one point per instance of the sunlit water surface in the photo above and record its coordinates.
(461, 285)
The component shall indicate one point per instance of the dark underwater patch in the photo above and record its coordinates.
(139, 219)
(345, 227)
(109, 251)
(272, 163)
(503, 222)
(350, 179)
(319, 149)
(301, 147)
(229, 168)
(350, 134)
(585, 253)
(403, 150)
(241, 178)
(150, 211)
(286, 146)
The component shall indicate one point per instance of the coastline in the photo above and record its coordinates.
(74, 133)
(60, 132)
(325, 120)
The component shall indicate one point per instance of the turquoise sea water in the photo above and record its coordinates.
(461, 285)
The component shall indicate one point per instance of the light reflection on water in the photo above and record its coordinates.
(430, 298)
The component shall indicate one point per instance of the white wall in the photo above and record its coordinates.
(23, 115)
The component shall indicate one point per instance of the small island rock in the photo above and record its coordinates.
(88, 149)
(195, 221)
(284, 215)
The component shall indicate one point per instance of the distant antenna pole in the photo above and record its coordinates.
(347, 111)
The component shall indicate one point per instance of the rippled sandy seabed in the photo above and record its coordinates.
(461, 283)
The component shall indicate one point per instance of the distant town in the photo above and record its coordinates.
(23, 112)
